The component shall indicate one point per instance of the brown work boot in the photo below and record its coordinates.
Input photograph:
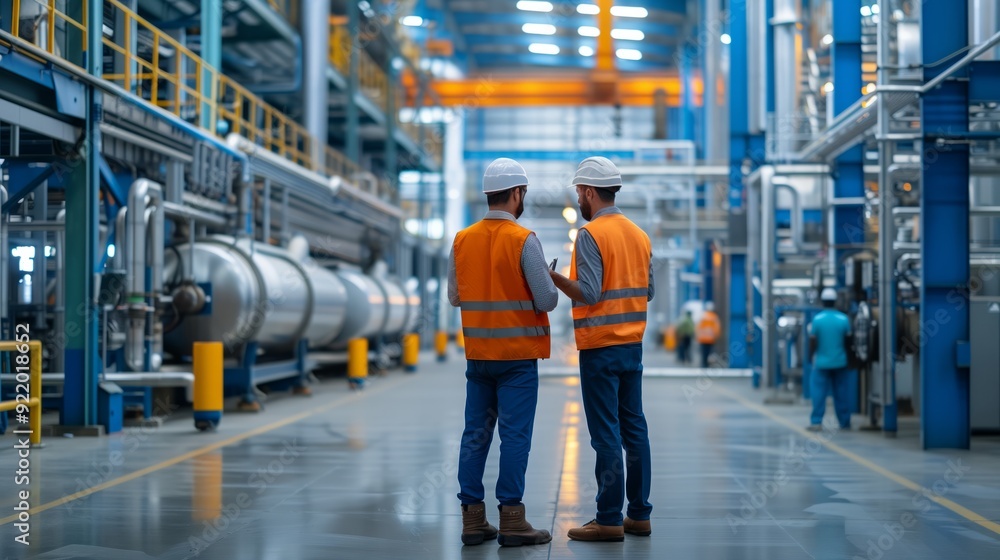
(638, 527)
(592, 531)
(475, 527)
(515, 531)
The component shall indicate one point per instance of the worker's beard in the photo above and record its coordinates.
(585, 210)
(520, 209)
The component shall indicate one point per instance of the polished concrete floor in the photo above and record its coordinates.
(371, 475)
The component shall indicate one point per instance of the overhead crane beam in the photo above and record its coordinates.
(507, 91)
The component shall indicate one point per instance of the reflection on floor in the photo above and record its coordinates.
(371, 475)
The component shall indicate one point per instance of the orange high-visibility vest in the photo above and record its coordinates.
(619, 317)
(709, 328)
(498, 314)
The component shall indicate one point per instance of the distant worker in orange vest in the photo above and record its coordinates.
(610, 283)
(498, 277)
(708, 332)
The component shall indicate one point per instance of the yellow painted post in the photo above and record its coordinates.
(357, 361)
(441, 346)
(34, 396)
(208, 384)
(411, 351)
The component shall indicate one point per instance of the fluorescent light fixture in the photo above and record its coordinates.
(828, 87)
(628, 11)
(539, 28)
(412, 21)
(827, 39)
(530, 6)
(866, 11)
(586, 51)
(572, 234)
(875, 8)
(628, 34)
(588, 9)
(588, 31)
(569, 214)
(628, 54)
(726, 39)
(875, 19)
(869, 88)
(543, 48)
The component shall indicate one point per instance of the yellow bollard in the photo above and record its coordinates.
(411, 351)
(460, 340)
(441, 346)
(208, 384)
(357, 361)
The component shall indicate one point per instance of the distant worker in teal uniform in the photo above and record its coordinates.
(828, 337)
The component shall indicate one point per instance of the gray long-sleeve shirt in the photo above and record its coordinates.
(543, 291)
(590, 266)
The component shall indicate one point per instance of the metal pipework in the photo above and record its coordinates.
(58, 358)
(138, 219)
(155, 251)
(786, 76)
(797, 234)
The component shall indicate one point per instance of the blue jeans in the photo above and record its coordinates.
(611, 382)
(706, 353)
(504, 391)
(823, 381)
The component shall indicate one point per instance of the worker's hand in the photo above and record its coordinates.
(554, 274)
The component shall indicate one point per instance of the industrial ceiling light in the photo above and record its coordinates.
(588, 9)
(569, 214)
(412, 21)
(629, 11)
(572, 234)
(530, 6)
(543, 48)
(827, 39)
(628, 34)
(586, 50)
(589, 31)
(875, 8)
(628, 54)
(828, 87)
(726, 39)
(866, 11)
(539, 28)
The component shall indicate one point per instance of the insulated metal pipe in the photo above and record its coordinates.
(58, 357)
(796, 212)
(135, 276)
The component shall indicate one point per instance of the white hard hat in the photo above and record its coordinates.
(502, 174)
(829, 294)
(597, 171)
(709, 306)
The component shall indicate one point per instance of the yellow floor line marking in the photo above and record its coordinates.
(202, 450)
(943, 502)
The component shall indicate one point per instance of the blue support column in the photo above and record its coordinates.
(79, 406)
(744, 148)
(352, 140)
(687, 93)
(849, 181)
(944, 247)
(211, 52)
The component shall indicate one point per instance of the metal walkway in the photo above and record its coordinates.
(372, 475)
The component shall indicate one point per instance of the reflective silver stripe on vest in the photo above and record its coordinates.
(512, 305)
(601, 320)
(509, 332)
(625, 293)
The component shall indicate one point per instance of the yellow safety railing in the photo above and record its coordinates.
(33, 349)
(261, 123)
(156, 67)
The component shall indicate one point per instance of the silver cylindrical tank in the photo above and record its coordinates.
(397, 310)
(258, 292)
(366, 306)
